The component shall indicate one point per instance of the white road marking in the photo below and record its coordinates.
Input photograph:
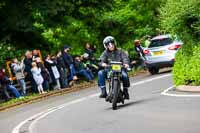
(35, 118)
(149, 80)
(176, 95)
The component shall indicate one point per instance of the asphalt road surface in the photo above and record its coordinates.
(149, 110)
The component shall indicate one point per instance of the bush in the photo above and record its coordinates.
(187, 67)
(180, 68)
(194, 66)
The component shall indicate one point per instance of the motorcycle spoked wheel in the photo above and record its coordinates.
(116, 91)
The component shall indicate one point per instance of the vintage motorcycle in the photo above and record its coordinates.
(115, 94)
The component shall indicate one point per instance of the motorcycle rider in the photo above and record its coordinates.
(112, 53)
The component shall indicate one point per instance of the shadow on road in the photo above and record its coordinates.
(160, 73)
(134, 103)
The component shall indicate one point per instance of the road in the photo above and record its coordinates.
(148, 110)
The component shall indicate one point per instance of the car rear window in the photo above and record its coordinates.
(160, 42)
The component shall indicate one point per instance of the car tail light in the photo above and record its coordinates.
(146, 51)
(174, 47)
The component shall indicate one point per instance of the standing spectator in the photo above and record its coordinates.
(138, 47)
(18, 69)
(37, 77)
(53, 70)
(45, 74)
(62, 69)
(36, 55)
(27, 70)
(6, 83)
(141, 55)
(69, 63)
(89, 50)
(147, 41)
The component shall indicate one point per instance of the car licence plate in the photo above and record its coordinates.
(158, 53)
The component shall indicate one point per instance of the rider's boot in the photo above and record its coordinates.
(126, 94)
(103, 93)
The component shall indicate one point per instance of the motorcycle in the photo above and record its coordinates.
(115, 94)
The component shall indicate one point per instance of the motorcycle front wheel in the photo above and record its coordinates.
(115, 90)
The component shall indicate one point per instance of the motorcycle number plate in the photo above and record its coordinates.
(116, 67)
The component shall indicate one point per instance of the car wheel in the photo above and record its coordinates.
(153, 70)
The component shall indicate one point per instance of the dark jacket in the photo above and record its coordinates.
(116, 55)
(90, 52)
(28, 66)
(78, 65)
(68, 60)
(61, 62)
(4, 80)
(139, 50)
(48, 65)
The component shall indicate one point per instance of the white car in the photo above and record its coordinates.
(161, 52)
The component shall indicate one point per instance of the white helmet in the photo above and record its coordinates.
(107, 40)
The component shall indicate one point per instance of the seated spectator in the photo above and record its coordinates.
(53, 71)
(6, 83)
(81, 70)
(5, 93)
(37, 77)
(90, 63)
(18, 69)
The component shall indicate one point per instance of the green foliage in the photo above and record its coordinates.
(8, 52)
(187, 67)
(194, 66)
(50, 24)
(180, 69)
(182, 18)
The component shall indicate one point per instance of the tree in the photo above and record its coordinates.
(182, 18)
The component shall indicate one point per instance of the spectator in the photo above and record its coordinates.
(147, 41)
(62, 69)
(69, 62)
(90, 51)
(81, 70)
(45, 74)
(90, 63)
(141, 55)
(18, 69)
(5, 93)
(36, 56)
(37, 77)
(6, 84)
(27, 70)
(53, 71)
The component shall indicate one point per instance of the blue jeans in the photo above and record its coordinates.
(102, 75)
(45, 85)
(72, 72)
(23, 86)
(86, 73)
(13, 90)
